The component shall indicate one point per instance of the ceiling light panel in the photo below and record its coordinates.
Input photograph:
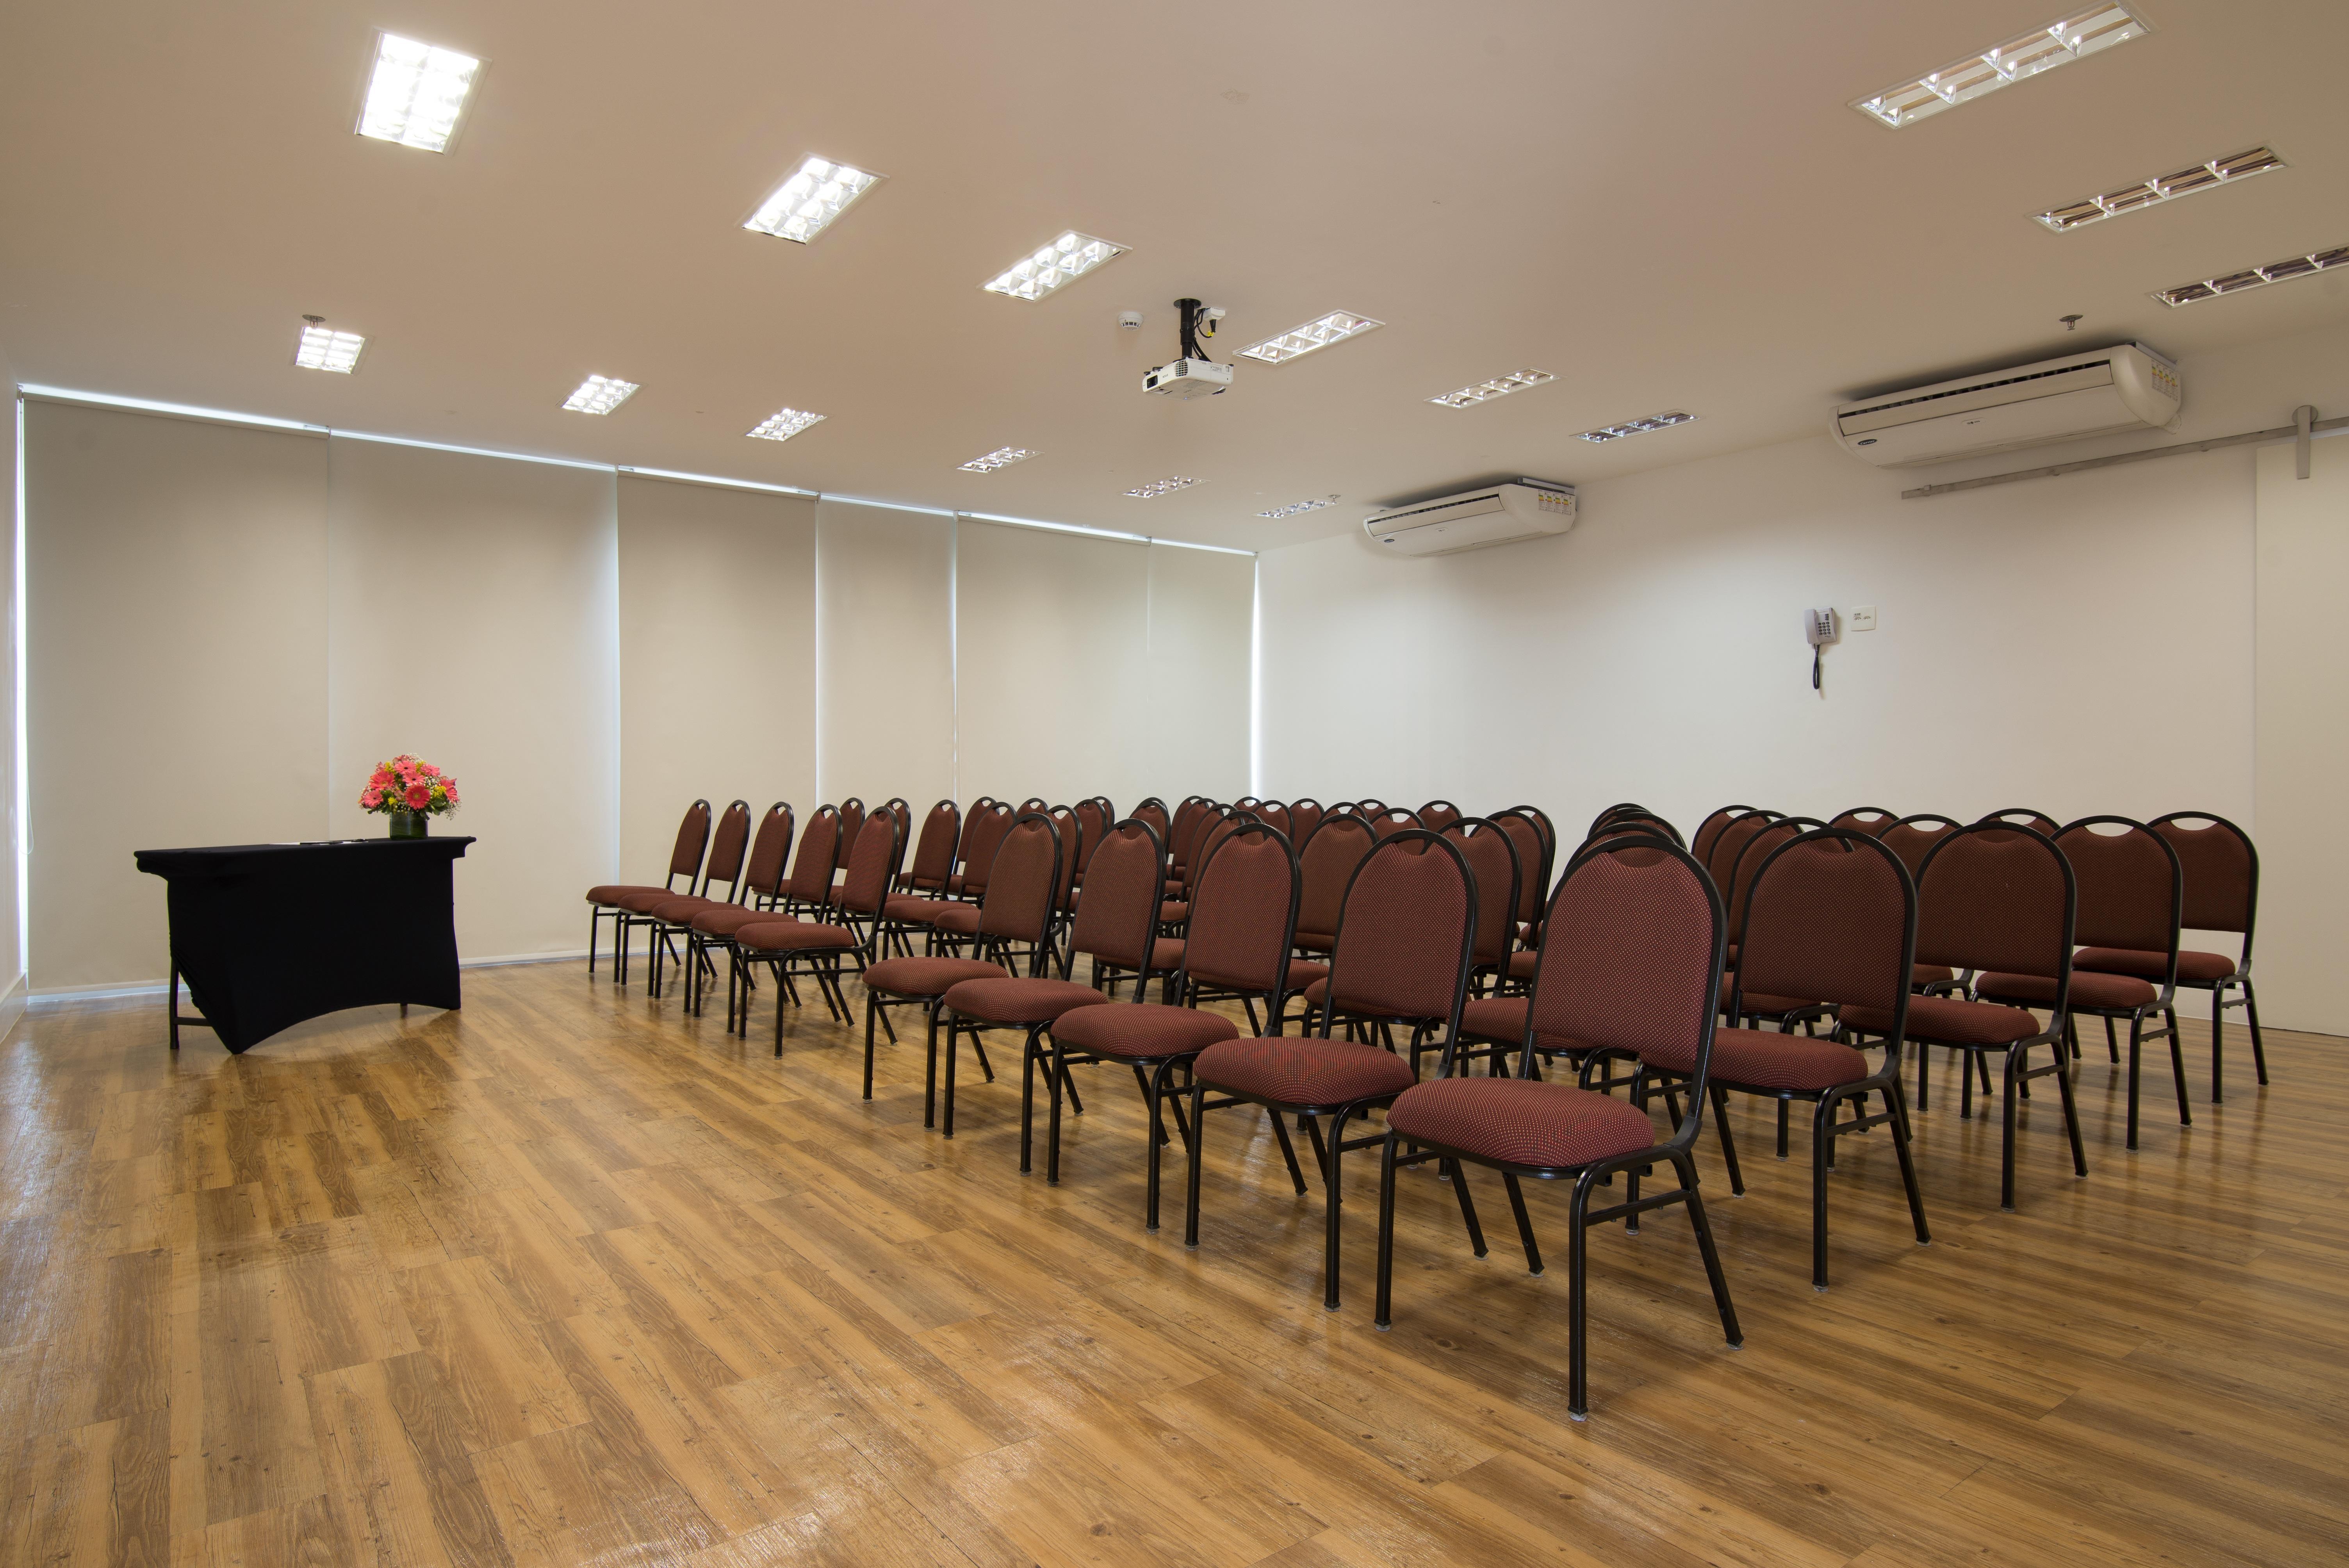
(1293, 508)
(1637, 427)
(1157, 488)
(1064, 261)
(2256, 277)
(1334, 327)
(321, 347)
(599, 395)
(1001, 457)
(417, 93)
(2073, 37)
(805, 205)
(782, 425)
(1485, 391)
(2161, 188)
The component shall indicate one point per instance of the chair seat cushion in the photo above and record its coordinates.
(1174, 912)
(1502, 1021)
(613, 892)
(1931, 974)
(1522, 1121)
(647, 902)
(2195, 968)
(1304, 972)
(1021, 1000)
(2118, 992)
(957, 920)
(1142, 1031)
(1316, 940)
(680, 911)
(1166, 955)
(1947, 1020)
(726, 919)
(1521, 964)
(1765, 1058)
(928, 976)
(793, 936)
(1755, 1002)
(913, 911)
(1303, 1073)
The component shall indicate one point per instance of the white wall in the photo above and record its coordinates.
(885, 654)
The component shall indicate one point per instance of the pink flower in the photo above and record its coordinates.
(452, 795)
(427, 769)
(418, 797)
(372, 799)
(381, 780)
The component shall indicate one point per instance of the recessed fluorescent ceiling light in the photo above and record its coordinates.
(804, 205)
(1637, 427)
(1157, 488)
(782, 425)
(1485, 391)
(321, 347)
(2161, 188)
(2059, 43)
(1293, 508)
(417, 93)
(1334, 327)
(1065, 259)
(599, 395)
(1001, 457)
(2257, 277)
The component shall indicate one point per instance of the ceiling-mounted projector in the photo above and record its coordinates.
(1195, 374)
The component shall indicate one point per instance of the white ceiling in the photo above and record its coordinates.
(1667, 205)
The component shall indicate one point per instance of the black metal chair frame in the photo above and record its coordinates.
(823, 963)
(664, 932)
(998, 949)
(2241, 978)
(701, 967)
(622, 920)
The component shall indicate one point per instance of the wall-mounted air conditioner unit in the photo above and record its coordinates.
(2125, 388)
(1490, 514)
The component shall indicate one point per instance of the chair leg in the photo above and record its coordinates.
(1155, 1135)
(1331, 1198)
(1195, 1146)
(1524, 1220)
(2252, 1020)
(2072, 1124)
(2112, 1046)
(1782, 1129)
(1908, 1164)
(1288, 1149)
(930, 1071)
(1720, 1097)
(872, 1006)
(1822, 1143)
(2136, 1039)
(1924, 1074)
(1320, 1154)
(595, 923)
(1027, 1097)
(1059, 1066)
(1577, 1317)
(2178, 1069)
(953, 1034)
(1384, 1314)
(1712, 1256)
(1451, 1168)
(2218, 1056)
(2006, 1143)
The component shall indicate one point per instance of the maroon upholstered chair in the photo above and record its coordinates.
(1751, 851)
(1304, 816)
(816, 948)
(983, 827)
(1229, 959)
(1367, 808)
(1830, 915)
(1328, 860)
(1153, 811)
(670, 919)
(1386, 822)
(1191, 818)
(762, 888)
(982, 835)
(1493, 857)
(1406, 940)
(1617, 821)
(820, 844)
(1700, 841)
(684, 861)
(2024, 817)
(1438, 815)
(1273, 814)
(2132, 890)
(1729, 840)
(1217, 825)
(1093, 821)
(934, 852)
(1912, 838)
(2221, 868)
(1999, 899)
(1115, 927)
(1021, 892)
(1869, 819)
(1632, 955)
(1530, 829)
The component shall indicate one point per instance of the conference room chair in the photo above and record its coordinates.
(1094, 823)
(1191, 818)
(2132, 891)
(934, 852)
(1438, 815)
(1869, 819)
(2024, 817)
(1750, 856)
(1632, 955)
(1493, 859)
(983, 827)
(1530, 829)
(817, 948)
(1368, 809)
(1996, 900)
(712, 930)
(1239, 947)
(1328, 860)
(605, 901)
(1174, 910)
(1304, 816)
(955, 927)
(1406, 940)
(1700, 841)
(1018, 911)
(1153, 811)
(1912, 838)
(1729, 842)
(1274, 815)
(810, 885)
(668, 920)
(1618, 820)
(852, 822)
(1831, 915)
(2221, 868)
(1390, 821)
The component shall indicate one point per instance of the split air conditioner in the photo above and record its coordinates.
(1490, 514)
(2125, 388)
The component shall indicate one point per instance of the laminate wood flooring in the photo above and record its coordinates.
(569, 1278)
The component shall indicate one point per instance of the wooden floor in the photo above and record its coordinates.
(567, 1279)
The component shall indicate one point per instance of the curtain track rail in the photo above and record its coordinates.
(2304, 426)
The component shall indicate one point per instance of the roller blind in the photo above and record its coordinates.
(886, 653)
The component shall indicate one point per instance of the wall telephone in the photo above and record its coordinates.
(1819, 630)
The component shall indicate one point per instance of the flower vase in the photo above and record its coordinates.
(410, 825)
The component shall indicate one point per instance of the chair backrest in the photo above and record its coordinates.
(1092, 823)
(1273, 814)
(1020, 883)
(873, 864)
(982, 836)
(1757, 847)
(2024, 817)
(1621, 808)
(1247, 803)
(933, 855)
(1526, 828)
(1406, 934)
(2222, 871)
(1304, 816)
(1438, 815)
(1830, 915)
(771, 851)
(2132, 887)
(1328, 862)
(1998, 898)
(1344, 809)
(1729, 842)
(1153, 811)
(1184, 835)
(1913, 838)
(1221, 824)
(1869, 819)
(1118, 920)
(1700, 843)
(1632, 953)
(1388, 821)
(1633, 825)
(819, 854)
(1492, 857)
(1243, 911)
(692, 838)
(852, 821)
(727, 848)
(1064, 825)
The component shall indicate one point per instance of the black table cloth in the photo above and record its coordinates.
(269, 934)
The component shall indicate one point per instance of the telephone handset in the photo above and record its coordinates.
(1819, 630)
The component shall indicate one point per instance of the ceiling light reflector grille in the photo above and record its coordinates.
(1001, 457)
(321, 347)
(2256, 277)
(805, 205)
(783, 424)
(2075, 37)
(1499, 387)
(1157, 488)
(1065, 259)
(1637, 427)
(416, 93)
(2161, 188)
(599, 395)
(1293, 508)
(1319, 333)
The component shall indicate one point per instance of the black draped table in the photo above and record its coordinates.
(269, 934)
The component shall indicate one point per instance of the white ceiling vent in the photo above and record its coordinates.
(1490, 514)
(2125, 388)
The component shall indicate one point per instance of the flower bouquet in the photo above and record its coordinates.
(408, 792)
